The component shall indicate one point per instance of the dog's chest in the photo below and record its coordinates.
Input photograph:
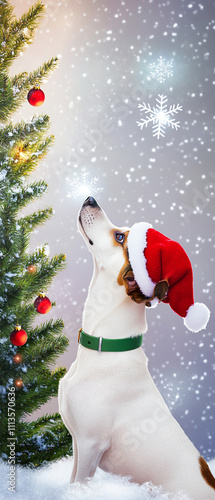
(110, 384)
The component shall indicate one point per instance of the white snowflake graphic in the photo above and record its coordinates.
(161, 70)
(83, 186)
(159, 116)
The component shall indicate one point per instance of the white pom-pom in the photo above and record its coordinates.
(197, 317)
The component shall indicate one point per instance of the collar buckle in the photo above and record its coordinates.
(100, 344)
(79, 334)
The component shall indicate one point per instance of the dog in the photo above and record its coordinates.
(108, 401)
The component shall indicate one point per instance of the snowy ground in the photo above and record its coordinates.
(52, 483)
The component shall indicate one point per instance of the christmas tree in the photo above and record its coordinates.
(26, 378)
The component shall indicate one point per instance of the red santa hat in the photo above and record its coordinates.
(153, 258)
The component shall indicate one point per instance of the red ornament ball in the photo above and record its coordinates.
(36, 97)
(42, 303)
(18, 336)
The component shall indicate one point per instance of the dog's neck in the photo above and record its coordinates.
(109, 312)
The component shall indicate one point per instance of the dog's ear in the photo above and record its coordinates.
(126, 278)
(160, 291)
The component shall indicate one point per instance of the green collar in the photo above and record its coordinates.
(111, 345)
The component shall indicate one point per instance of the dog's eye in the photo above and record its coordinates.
(119, 237)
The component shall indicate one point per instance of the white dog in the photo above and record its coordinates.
(108, 400)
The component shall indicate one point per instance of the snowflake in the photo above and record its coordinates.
(159, 116)
(161, 70)
(82, 186)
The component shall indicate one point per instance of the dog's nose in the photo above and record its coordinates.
(90, 201)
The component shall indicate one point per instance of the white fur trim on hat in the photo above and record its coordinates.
(136, 245)
(197, 317)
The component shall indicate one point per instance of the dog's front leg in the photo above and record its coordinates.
(75, 459)
(88, 454)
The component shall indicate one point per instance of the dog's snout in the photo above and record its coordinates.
(90, 201)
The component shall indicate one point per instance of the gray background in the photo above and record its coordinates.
(106, 48)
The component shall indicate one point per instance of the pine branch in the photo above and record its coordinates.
(45, 423)
(17, 199)
(6, 12)
(23, 158)
(23, 132)
(13, 92)
(22, 83)
(39, 336)
(48, 271)
(6, 97)
(45, 330)
(41, 279)
(37, 257)
(36, 218)
(29, 19)
(46, 419)
(43, 378)
(25, 288)
(8, 319)
(18, 291)
(46, 439)
(21, 161)
(45, 351)
(16, 34)
(37, 391)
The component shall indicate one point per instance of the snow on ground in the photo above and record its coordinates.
(52, 483)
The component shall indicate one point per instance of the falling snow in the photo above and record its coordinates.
(160, 116)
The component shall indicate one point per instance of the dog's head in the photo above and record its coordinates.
(160, 266)
(108, 244)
